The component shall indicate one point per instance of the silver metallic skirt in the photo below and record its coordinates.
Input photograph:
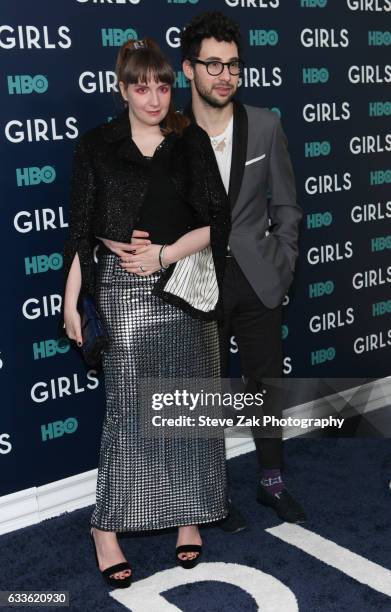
(157, 482)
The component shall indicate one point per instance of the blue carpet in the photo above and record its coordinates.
(343, 484)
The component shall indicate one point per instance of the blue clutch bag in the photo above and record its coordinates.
(95, 338)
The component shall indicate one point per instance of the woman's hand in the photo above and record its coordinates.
(144, 261)
(72, 324)
(148, 256)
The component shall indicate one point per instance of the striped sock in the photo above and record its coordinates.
(272, 481)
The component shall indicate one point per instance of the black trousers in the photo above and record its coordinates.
(257, 330)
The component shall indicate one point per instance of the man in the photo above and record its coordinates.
(250, 148)
(251, 152)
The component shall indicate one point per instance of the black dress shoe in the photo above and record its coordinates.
(286, 507)
(188, 563)
(107, 574)
(234, 522)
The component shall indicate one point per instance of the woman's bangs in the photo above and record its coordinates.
(144, 67)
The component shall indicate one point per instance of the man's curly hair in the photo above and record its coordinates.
(208, 25)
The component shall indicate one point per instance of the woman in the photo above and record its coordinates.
(149, 169)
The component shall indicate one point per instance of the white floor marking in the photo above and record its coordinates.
(147, 595)
(375, 576)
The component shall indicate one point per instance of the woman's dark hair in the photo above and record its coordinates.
(208, 25)
(139, 61)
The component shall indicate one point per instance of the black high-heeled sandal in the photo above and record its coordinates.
(117, 583)
(188, 563)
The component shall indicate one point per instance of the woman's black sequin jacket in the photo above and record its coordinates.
(109, 182)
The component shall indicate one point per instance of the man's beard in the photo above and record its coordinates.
(207, 97)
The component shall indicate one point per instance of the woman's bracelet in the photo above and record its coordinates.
(161, 264)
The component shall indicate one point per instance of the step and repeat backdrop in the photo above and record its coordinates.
(322, 65)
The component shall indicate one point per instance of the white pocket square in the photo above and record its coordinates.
(255, 159)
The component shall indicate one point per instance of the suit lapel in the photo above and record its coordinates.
(239, 151)
(239, 148)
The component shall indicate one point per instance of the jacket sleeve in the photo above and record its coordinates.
(212, 201)
(208, 190)
(284, 212)
(80, 238)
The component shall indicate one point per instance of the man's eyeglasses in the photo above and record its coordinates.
(215, 67)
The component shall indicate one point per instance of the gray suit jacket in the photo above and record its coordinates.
(261, 163)
(265, 251)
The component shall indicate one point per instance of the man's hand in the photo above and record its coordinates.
(140, 237)
(122, 249)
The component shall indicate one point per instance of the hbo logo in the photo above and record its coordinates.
(320, 289)
(42, 263)
(49, 348)
(316, 148)
(26, 84)
(378, 39)
(182, 1)
(322, 355)
(378, 109)
(319, 220)
(381, 308)
(381, 243)
(56, 429)
(379, 177)
(313, 3)
(34, 175)
(180, 80)
(115, 37)
(259, 38)
(315, 75)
